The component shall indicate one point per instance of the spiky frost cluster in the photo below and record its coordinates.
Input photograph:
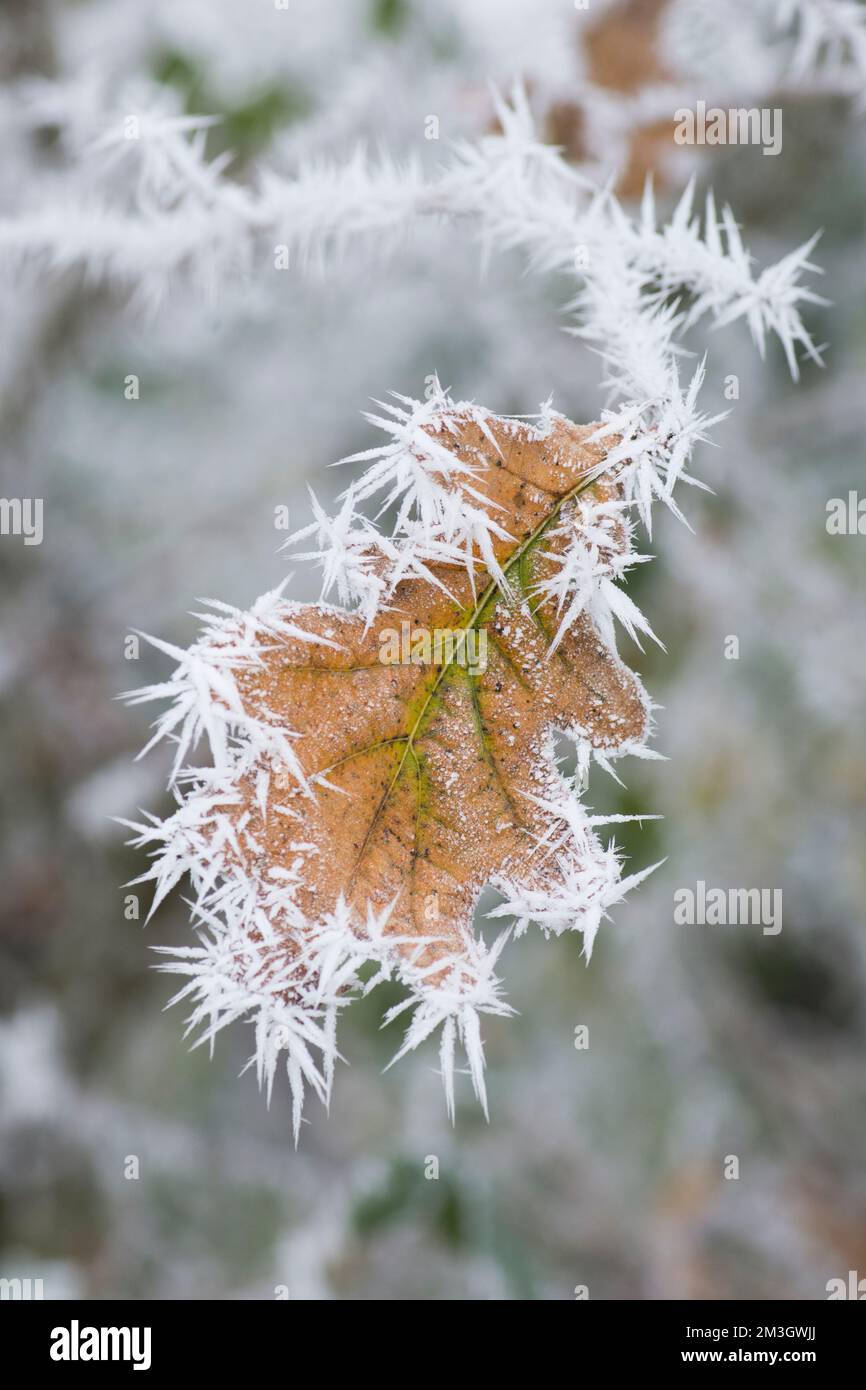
(158, 207)
(442, 519)
(241, 966)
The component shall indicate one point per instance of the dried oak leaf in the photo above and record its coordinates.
(411, 786)
(425, 774)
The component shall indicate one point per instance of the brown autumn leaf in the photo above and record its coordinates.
(403, 789)
(425, 773)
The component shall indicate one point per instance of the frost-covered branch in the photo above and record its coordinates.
(188, 216)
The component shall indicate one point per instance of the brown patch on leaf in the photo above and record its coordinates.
(622, 46)
(621, 49)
